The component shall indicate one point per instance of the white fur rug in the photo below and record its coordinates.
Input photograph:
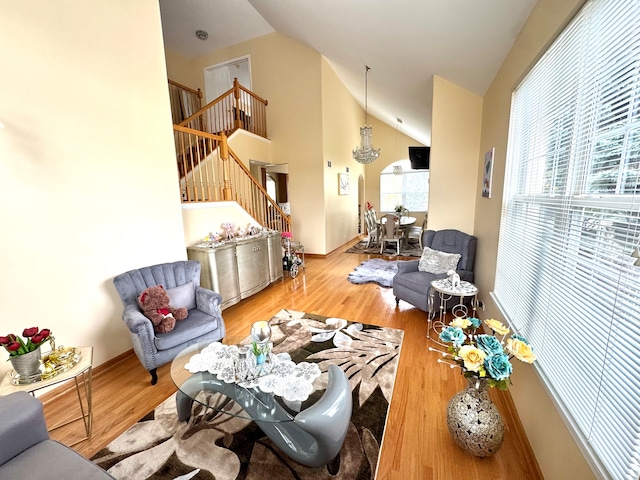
(375, 270)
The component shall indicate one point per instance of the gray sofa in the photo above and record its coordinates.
(412, 285)
(26, 451)
(203, 324)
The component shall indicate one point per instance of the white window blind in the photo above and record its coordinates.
(570, 220)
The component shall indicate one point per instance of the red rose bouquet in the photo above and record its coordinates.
(34, 338)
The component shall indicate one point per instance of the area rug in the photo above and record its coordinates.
(411, 250)
(375, 270)
(218, 446)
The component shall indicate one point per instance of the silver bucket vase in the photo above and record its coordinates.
(474, 421)
(27, 364)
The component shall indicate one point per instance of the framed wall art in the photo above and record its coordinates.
(343, 184)
(488, 173)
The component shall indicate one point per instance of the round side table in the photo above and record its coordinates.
(445, 291)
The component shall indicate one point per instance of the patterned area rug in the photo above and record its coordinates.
(218, 446)
(375, 270)
(411, 250)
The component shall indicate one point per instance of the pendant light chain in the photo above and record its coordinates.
(366, 95)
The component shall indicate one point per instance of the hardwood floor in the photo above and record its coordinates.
(417, 444)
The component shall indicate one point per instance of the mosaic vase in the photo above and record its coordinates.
(27, 364)
(474, 421)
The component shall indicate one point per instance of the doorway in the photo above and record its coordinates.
(219, 78)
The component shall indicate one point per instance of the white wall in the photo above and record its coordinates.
(88, 182)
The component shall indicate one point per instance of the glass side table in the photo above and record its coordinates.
(81, 373)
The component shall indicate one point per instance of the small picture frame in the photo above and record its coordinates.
(487, 175)
(343, 184)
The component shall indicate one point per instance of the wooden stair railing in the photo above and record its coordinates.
(185, 101)
(213, 172)
(237, 108)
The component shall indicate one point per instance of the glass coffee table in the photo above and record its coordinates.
(207, 374)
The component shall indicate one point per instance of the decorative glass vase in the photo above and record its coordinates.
(474, 421)
(27, 364)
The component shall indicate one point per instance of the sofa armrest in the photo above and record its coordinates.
(208, 301)
(22, 424)
(410, 266)
(136, 322)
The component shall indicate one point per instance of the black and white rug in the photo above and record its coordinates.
(375, 270)
(217, 446)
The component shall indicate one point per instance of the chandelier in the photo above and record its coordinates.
(365, 153)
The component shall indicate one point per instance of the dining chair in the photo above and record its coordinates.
(390, 231)
(414, 232)
(373, 231)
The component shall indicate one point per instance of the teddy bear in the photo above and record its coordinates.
(154, 302)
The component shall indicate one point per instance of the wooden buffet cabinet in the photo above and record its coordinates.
(239, 268)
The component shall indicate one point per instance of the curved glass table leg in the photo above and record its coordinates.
(313, 437)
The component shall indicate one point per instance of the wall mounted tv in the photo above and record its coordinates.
(419, 158)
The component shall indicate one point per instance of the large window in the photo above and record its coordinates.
(570, 220)
(399, 185)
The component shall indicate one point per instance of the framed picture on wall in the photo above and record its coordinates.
(488, 173)
(343, 184)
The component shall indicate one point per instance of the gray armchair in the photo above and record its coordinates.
(412, 285)
(26, 451)
(203, 323)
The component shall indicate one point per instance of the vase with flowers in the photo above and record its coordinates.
(485, 360)
(24, 353)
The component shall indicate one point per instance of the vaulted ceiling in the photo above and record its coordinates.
(404, 42)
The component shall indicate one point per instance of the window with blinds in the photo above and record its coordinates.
(565, 277)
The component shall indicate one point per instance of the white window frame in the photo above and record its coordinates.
(401, 196)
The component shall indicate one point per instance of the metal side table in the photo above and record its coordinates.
(81, 373)
(445, 291)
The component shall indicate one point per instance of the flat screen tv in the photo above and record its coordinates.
(419, 158)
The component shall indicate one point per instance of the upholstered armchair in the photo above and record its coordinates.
(413, 285)
(26, 451)
(181, 280)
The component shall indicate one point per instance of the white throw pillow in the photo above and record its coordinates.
(435, 261)
(183, 296)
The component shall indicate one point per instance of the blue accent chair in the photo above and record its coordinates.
(412, 285)
(204, 322)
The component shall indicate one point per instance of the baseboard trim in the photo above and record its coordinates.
(95, 372)
(506, 401)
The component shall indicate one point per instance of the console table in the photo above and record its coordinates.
(239, 268)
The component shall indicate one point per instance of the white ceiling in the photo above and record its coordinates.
(405, 42)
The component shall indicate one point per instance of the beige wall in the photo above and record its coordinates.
(201, 218)
(288, 75)
(455, 141)
(555, 449)
(179, 69)
(85, 193)
(248, 146)
(341, 117)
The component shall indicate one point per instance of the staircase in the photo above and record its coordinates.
(209, 170)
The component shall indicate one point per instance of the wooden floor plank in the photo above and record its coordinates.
(417, 444)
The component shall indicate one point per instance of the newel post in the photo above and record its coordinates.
(224, 155)
(236, 102)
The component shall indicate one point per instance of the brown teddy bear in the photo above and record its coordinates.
(154, 302)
